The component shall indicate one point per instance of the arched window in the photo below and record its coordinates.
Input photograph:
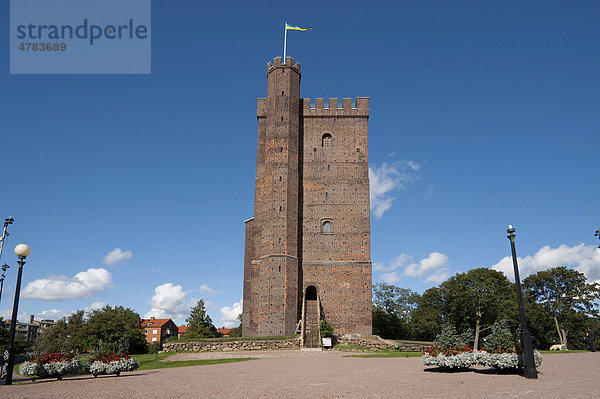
(326, 140)
(326, 227)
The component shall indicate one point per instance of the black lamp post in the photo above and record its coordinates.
(8, 357)
(7, 221)
(4, 267)
(597, 235)
(529, 370)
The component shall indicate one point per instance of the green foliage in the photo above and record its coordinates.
(63, 337)
(392, 310)
(111, 330)
(449, 338)
(199, 323)
(427, 317)
(326, 329)
(560, 296)
(4, 332)
(500, 338)
(480, 296)
(237, 331)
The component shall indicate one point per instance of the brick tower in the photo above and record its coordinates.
(307, 249)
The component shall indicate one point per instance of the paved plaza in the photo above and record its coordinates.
(296, 374)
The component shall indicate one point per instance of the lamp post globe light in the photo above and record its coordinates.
(529, 370)
(8, 356)
(597, 235)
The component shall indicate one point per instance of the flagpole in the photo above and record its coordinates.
(284, 41)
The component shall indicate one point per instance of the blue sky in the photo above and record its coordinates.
(483, 113)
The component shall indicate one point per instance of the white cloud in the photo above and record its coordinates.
(82, 285)
(437, 278)
(429, 265)
(52, 314)
(390, 278)
(116, 256)
(95, 306)
(6, 314)
(229, 315)
(585, 259)
(398, 261)
(429, 191)
(205, 289)
(388, 178)
(433, 266)
(169, 302)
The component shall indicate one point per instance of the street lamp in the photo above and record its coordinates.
(529, 370)
(8, 358)
(7, 221)
(4, 267)
(597, 235)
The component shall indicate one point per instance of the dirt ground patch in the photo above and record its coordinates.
(296, 374)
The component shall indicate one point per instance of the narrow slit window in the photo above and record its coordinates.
(326, 196)
(328, 168)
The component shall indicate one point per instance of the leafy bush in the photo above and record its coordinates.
(449, 350)
(500, 339)
(449, 338)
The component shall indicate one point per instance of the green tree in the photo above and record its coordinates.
(237, 331)
(427, 318)
(63, 337)
(392, 310)
(477, 299)
(199, 323)
(114, 329)
(565, 296)
(4, 332)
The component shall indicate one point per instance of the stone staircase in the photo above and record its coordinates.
(311, 329)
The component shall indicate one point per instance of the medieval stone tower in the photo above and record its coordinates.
(308, 247)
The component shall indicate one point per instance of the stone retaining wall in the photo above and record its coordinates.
(372, 342)
(228, 346)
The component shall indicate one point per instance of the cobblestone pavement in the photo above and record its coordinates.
(295, 374)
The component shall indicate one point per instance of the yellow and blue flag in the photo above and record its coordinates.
(290, 27)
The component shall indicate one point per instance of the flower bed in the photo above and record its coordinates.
(50, 365)
(504, 359)
(448, 357)
(112, 363)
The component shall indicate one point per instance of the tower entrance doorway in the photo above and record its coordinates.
(312, 315)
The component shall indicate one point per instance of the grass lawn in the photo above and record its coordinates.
(148, 362)
(547, 352)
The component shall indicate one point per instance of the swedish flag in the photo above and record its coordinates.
(290, 27)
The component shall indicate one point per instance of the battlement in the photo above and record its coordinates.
(277, 64)
(334, 108)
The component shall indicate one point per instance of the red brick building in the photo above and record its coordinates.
(225, 332)
(157, 330)
(308, 246)
(181, 331)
